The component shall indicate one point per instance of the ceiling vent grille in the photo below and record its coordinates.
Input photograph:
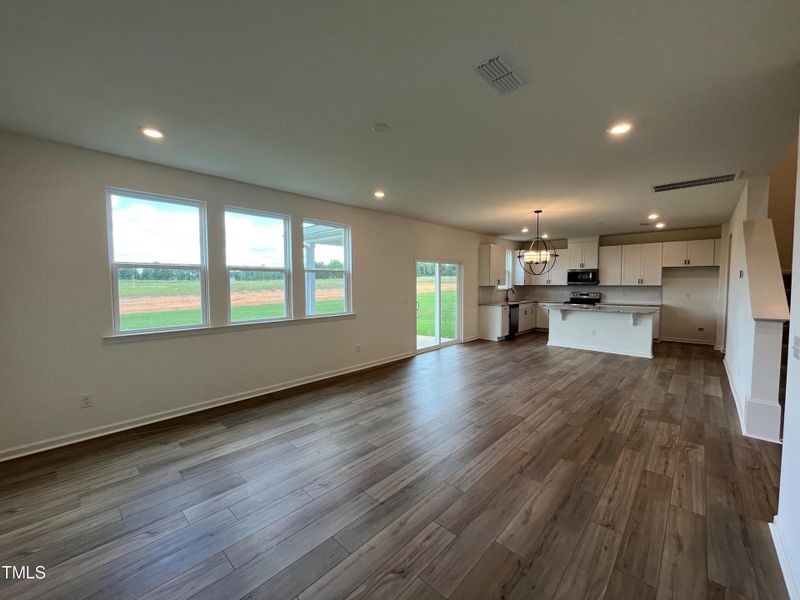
(498, 74)
(679, 185)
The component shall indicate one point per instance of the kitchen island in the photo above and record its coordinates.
(617, 329)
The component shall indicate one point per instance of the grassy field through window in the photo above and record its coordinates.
(158, 304)
(162, 304)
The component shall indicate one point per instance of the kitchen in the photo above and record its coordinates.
(617, 294)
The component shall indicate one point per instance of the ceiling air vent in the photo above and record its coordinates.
(498, 74)
(679, 185)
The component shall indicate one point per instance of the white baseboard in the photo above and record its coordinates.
(736, 400)
(785, 559)
(686, 341)
(598, 349)
(87, 434)
(753, 411)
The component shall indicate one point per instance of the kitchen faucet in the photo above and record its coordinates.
(511, 289)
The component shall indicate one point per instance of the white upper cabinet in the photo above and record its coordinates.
(610, 265)
(651, 263)
(675, 254)
(491, 265)
(583, 254)
(700, 253)
(557, 275)
(694, 253)
(717, 252)
(641, 264)
(632, 264)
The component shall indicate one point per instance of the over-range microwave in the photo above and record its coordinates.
(582, 277)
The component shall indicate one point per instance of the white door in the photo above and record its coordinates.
(632, 264)
(651, 263)
(675, 254)
(610, 265)
(701, 253)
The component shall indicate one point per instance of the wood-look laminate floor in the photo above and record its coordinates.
(487, 470)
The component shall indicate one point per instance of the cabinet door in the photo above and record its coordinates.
(675, 254)
(498, 269)
(590, 257)
(700, 253)
(632, 264)
(651, 263)
(558, 275)
(610, 265)
(542, 318)
(575, 258)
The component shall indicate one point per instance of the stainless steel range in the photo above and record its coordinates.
(585, 298)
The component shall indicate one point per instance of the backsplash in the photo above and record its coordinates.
(615, 294)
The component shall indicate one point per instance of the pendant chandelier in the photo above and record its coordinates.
(537, 256)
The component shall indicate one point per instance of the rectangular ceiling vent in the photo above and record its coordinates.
(679, 185)
(498, 74)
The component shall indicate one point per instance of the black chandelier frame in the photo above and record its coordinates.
(538, 256)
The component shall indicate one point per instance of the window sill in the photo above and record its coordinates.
(211, 329)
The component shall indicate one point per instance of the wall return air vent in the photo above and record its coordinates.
(498, 73)
(679, 185)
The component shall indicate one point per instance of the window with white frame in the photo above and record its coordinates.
(509, 271)
(257, 254)
(326, 257)
(157, 248)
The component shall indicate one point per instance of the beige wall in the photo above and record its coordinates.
(782, 183)
(670, 235)
(55, 303)
(689, 298)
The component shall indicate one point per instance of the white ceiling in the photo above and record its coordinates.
(283, 94)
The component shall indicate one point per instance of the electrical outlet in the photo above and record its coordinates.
(87, 400)
(358, 348)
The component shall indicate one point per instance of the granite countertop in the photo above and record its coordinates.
(607, 308)
(511, 303)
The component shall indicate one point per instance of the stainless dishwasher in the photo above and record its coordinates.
(513, 320)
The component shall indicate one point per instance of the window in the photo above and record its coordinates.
(509, 271)
(326, 256)
(158, 262)
(256, 249)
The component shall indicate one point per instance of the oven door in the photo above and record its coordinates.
(582, 277)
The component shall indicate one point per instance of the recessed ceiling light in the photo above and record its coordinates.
(380, 128)
(379, 194)
(660, 225)
(652, 216)
(544, 236)
(153, 132)
(620, 128)
(524, 230)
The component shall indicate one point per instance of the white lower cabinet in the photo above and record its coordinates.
(542, 318)
(492, 322)
(527, 317)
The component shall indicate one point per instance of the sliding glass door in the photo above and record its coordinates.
(438, 304)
